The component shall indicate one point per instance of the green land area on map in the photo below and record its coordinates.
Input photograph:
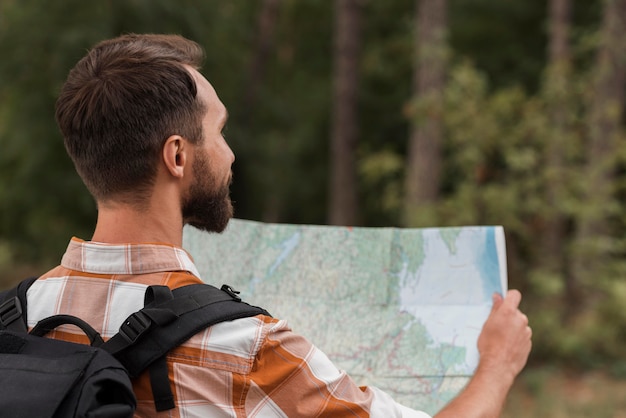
(399, 309)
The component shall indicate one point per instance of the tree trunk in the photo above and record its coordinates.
(424, 159)
(557, 88)
(343, 183)
(605, 114)
(264, 42)
(266, 25)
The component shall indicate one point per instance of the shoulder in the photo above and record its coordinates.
(231, 346)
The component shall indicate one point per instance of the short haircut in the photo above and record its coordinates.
(119, 105)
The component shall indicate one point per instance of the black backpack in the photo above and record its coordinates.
(42, 377)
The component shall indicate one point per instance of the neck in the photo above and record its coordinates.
(122, 223)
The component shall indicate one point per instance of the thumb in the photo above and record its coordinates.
(497, 301)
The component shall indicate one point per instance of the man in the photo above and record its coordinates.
(143, 128)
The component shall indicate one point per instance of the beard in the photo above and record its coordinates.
(207, 205)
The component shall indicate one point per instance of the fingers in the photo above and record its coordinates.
(513, 298)
(523, 318)
(497, 298)
(497, 301)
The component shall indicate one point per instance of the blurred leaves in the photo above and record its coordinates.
(497, 133)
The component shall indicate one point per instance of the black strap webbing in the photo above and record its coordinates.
(159, 377)
(153, 331)
(160, 383)
(13, 307)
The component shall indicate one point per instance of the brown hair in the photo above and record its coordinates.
(119, 105)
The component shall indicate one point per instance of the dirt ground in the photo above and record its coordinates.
(552, 393)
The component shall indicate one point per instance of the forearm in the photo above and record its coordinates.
(504, 344)
(483, 397)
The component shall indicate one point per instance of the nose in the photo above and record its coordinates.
(231, 155)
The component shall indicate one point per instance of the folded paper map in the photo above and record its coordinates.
(400, 309)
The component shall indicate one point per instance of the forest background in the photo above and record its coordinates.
(405, 113)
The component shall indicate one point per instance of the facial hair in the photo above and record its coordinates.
(207, 205)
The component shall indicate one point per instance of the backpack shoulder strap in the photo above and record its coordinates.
(157, 328)
(13, 306)
(148, 335)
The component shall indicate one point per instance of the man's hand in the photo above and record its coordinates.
(505, 341)
(504, 345)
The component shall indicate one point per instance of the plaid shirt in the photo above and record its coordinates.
(251, 367)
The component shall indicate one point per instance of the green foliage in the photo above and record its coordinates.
(381, 182)
(498, 171)
(5, 255)
(550, 392)
(499, 133)
(489, 32)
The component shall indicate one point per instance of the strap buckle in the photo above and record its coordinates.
(231, 292)
(10, 310)
(134, 326)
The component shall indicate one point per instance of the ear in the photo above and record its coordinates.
(175, 155)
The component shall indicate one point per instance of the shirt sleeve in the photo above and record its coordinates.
(384, 403)
(296, 378)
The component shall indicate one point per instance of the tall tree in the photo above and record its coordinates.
(557, 89)
(347, 44)
(604, 118)
(424, 159)
(263, 45)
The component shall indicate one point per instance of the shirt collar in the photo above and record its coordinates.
(101, 258)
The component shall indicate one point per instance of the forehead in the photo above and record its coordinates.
(207, 95)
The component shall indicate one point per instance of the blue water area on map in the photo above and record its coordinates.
(489, 265)
(288, 246)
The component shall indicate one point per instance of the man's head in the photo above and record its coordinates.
(119, 106)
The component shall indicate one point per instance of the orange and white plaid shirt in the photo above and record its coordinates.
(251, 367)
